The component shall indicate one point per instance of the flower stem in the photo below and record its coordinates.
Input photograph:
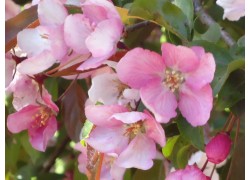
(212, 171)
(204, 166)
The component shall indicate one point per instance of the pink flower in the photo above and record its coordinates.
(189, 173)
(218, 148)
(38, 119)
(233, 9)
(11, 9)
(131, 135)
(45, 44)
(115, 92)
(85, 33)
(110, 170)
(180, 78)
(10, 66)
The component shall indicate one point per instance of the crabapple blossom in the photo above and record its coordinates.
(189, 173)
(180, 78)
(11, 9)
(131, 135)
(39, 120)
(109, 170)
(10, 66)
(233, 9)
(218, 148)
(115, 92)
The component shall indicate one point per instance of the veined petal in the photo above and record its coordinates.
(102, 115)
(108, 139)
(36, 64)
(139, 67)
(76, 30)
(22, 119)
(196, 106)
(139, 154)
(51, 12)
(159, 100)
(179, 58)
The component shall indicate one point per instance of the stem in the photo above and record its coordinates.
(212, 171)
(227, 122)
(98, 173)
(231, 124)
(204, 166)
(136, 26)
(205, 18)
(56, 153)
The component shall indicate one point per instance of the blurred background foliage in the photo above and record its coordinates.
(179, 25)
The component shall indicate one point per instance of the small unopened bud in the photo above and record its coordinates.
(218, 148)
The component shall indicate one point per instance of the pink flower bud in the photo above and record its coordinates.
(218, 148)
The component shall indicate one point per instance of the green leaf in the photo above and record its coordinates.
(12, 152)
(232, 91)
(168, 148)
(213, 33)
(87, 127)
(187, 8)
(183, 156)
(51, 84)
(194, 135)
(77, 174)
(164, 13)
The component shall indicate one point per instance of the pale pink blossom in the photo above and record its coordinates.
(85, 33)
(180, 78)
(11, 9)
(109, 170)
(108, 89)
(39, 120)
(131, 135)
(218, 148)
(10, 66)
(233, 9)
(189, 173)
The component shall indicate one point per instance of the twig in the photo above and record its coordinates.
(136, 26)
(204, 166)
(208, 20)
(56, 153)
(212, 171)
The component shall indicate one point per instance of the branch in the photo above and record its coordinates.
(136, 26)
(208, 20)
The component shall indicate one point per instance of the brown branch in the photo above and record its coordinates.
(136, 26)
(208, 20)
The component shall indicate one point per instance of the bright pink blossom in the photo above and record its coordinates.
(180, 78)
(189, 173)
(218, 148)
(131, 135)
(39, 120)
(85, 33)
(233, 9)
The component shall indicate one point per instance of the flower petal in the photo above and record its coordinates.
(196, 106)
(76, 30)
(108, 31)
(204, 74)
(154, 130)
(108, 139)
(159, 100)
(129, 117)
(101, 115)
(36, 64)
(51, 12)
(22, 119)
(179, 57)
(139, 66)
(139, 154)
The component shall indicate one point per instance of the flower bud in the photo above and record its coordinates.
(218, 148)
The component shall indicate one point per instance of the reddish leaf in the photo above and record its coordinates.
(73, 110)
(26, 19)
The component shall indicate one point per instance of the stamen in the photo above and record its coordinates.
(173, 80)
(41, 117)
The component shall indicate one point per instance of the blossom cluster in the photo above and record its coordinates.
(128, 100)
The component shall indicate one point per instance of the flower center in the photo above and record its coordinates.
(131, 130)
(41, 117)
(173, 79)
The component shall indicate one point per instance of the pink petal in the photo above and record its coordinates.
(199, 51)
(51, 12)
(204, 74)
(154, 130)
(47, 98)
(22, 119)
(130, 117)
(139, 66)
(179, 58)
(108, 139)
(36, 64)
(196, 106)
(101, 115)
(108, 31)
(11, 9)
(10, 66)
(39, 137)
(139, 153)
(159, 100)
(117, 172)
(76, 30)
(82, 158)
